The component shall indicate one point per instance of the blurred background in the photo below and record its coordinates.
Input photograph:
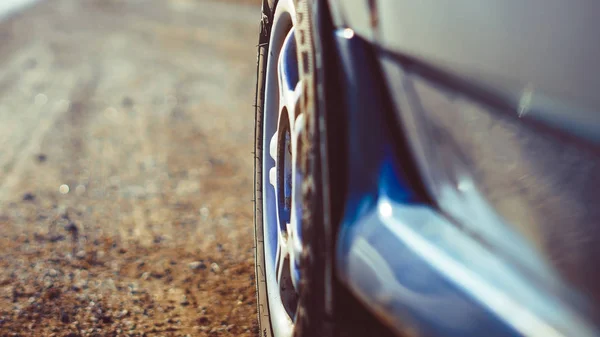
(126, 132)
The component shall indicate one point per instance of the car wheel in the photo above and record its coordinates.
(293, 274)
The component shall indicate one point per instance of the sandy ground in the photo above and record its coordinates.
(126, 169)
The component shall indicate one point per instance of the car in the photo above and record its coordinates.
(428, 168)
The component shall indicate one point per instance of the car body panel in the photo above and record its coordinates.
(526, 191)
(541, 56)
(420, 271)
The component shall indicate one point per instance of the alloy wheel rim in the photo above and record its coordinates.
(282, 176)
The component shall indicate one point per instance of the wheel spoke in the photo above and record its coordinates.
(273, 146)
(282, 257)
(289, 83)
(295, 226)
(273, 176)
(287, 289)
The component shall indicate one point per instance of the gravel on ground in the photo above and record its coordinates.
(126, 169)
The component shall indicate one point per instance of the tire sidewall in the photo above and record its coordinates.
(264, 319)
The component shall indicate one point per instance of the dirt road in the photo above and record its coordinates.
(125, 169)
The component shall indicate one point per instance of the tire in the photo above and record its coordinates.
(325, 307)
(314, 305)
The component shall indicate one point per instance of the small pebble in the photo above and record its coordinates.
(197, 265)
(28, 197)
(80, 254)
(127, 102)
(64, 317)
(63, 189)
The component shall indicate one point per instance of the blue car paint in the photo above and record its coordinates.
(529, 192)
(418, 271)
